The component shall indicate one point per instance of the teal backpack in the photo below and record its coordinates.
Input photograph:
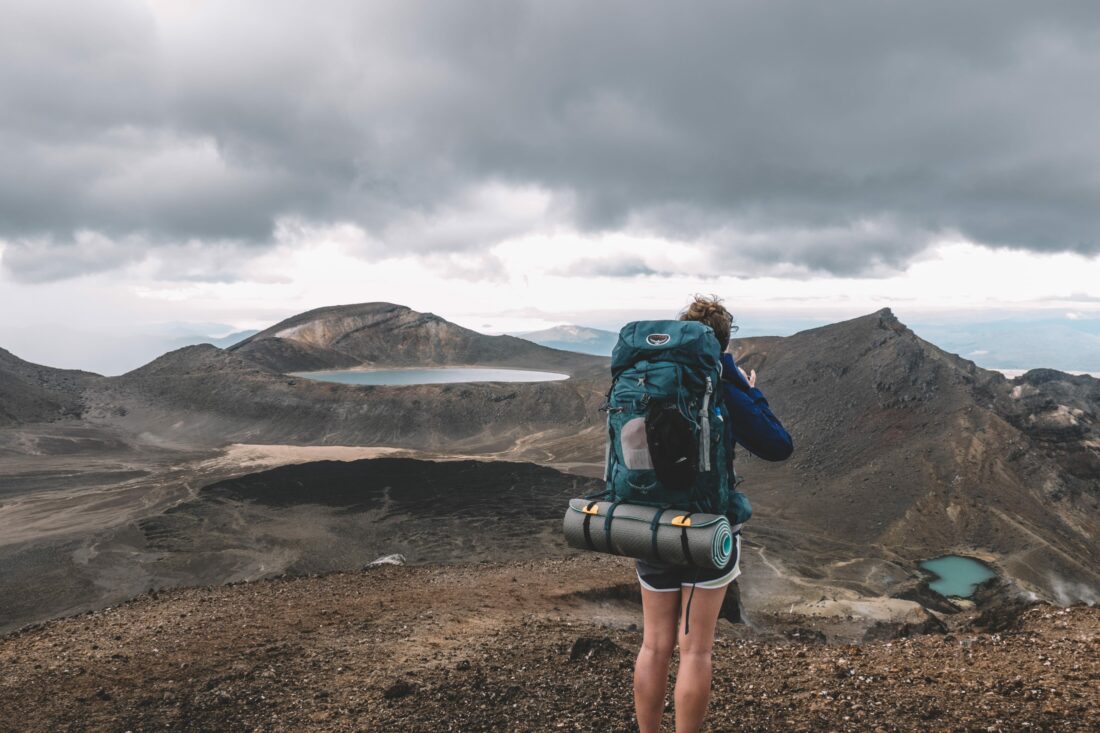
(665, 418)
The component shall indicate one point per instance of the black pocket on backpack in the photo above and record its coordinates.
(672, 446)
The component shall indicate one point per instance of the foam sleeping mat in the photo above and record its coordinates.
(698, 540)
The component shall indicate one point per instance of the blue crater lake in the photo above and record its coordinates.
(957, 575)
(442, 375)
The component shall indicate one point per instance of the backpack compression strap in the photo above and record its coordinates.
(607, 523)
(653, 527)
(683, 522)
(590, 510)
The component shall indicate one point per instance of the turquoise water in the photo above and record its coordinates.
(956, 575)
(442, 375)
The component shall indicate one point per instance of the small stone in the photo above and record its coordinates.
(399, 689)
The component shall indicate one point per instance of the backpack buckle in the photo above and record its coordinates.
(681, 521)
(593, 509)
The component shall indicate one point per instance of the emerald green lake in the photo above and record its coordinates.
(956, 575)
(441, 375)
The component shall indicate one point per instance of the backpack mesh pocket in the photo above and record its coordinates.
(635, 445)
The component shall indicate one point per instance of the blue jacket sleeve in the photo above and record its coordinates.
(752, 422)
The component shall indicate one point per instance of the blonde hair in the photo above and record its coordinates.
(709, 310)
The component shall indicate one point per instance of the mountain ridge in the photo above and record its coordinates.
(386, 334)
(35, 393)
(903, 445)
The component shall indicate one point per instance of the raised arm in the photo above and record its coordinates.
(751, 420)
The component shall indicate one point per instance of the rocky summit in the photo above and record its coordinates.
(902, 446)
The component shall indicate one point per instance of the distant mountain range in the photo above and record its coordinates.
(1054, 343)
(222, 342)
(574, 338)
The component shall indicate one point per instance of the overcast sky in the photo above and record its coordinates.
(509, 165)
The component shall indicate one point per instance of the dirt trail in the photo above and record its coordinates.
(526, 646)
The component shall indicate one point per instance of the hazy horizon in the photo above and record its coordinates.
(1065, 344)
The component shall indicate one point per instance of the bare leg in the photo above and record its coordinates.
(693, 677)
(659, 615)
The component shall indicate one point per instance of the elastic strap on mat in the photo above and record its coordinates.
(684, 542)
(653, 527)
(588, 528)
(607, 523)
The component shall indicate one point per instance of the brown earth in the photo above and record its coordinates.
(519, 647)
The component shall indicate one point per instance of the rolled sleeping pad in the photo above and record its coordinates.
(676, 536)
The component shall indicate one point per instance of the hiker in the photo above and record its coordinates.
(666, 589)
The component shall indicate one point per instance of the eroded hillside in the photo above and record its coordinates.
(900, 445)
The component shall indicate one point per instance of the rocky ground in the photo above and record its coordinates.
(518, 647)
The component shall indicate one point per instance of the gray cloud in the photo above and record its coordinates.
(834, 137)
(608, 267)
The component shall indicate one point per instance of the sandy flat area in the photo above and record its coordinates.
(259, 456)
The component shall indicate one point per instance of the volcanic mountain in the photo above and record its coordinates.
(904, 450)
(203, 395)
(384, 334)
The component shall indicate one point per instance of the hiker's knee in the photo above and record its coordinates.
(660, 647)
(695, 646)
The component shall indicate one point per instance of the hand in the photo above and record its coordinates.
(750, 377)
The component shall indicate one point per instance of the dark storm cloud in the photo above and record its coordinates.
(836, 137)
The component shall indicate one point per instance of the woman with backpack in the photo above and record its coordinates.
(678, 598)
